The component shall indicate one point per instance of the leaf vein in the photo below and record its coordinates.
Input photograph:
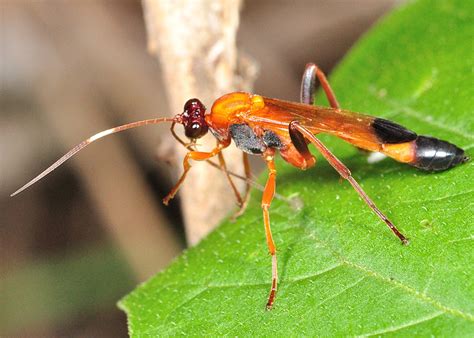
(417, 294)
(470, 238)
(418, 115)
(404, 325)
(410, 202)
(186, 301)
(440, 125)
(317, 274)
(350, 286)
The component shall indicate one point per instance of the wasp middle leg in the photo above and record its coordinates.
(246, 198)
(267, 198)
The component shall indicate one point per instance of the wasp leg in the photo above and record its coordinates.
(296, 128)
(301, 146)
(268, 194)
(308, 89)
(177, 138)
(245, 200)
(223, 166)
(308, 86)
(197, 156)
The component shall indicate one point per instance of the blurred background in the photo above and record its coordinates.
(74, 244)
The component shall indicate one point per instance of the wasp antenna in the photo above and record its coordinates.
(91, 139)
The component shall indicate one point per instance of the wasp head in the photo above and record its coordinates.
(193, 120)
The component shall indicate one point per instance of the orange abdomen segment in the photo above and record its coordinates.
(401, 152)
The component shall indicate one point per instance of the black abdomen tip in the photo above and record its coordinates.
(391, 132)
(435, 155)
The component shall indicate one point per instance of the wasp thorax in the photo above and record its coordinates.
(194, 122)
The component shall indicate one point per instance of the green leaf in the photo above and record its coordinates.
(341, 271)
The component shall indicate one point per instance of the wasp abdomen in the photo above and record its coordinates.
(433, 154)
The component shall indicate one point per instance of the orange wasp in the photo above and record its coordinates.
(262, 126)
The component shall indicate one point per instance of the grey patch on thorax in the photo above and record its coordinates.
(246, 140)
(272, 140)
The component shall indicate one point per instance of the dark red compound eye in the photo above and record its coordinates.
(194, 106)
(194, 122)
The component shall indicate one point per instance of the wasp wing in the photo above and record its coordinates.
(361, 130)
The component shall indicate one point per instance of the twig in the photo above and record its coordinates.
(195, 43)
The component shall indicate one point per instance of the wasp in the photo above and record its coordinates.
(263, 126)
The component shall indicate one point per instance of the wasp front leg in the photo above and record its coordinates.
(197, 156)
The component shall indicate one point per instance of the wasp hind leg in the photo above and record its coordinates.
(308, 90)
(308, 86)
(297, 130)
